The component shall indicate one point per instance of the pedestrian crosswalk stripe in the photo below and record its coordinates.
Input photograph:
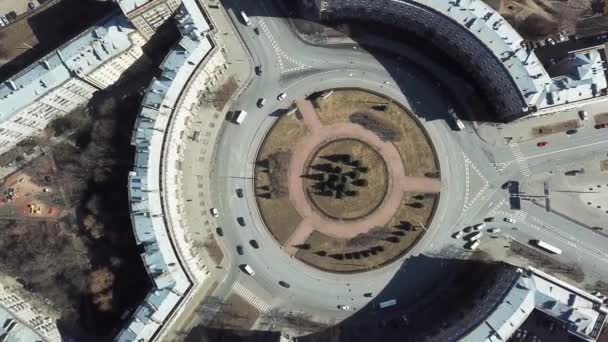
(250, 297)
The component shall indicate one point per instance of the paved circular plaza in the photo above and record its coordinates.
(347, 183)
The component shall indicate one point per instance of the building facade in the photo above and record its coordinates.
(148, 15)
(66, 78)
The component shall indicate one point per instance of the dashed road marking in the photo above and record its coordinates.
(280, 54)
(520, 158)
(250, 297)
(468, 166)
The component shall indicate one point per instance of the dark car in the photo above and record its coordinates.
(239, 249)
(241, 221)
(239, 193)
(284, 284)
(219, 231)
(254, 244)
(258, 70)
(598, 126)
(256, 31)
(488, 219)
(571, 131)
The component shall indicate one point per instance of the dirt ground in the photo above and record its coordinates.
(368, 198)
(601, 118)
(380, 247)
(391, 122)
(284, 219)
(236, 314)
(558, 127)
(541, 260)
(412, 143)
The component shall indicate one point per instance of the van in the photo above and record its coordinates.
(239, 116)
(388, 303)
(245, 18)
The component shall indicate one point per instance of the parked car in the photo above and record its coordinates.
(239, 249)
(457, 235)
(599, 126)
(571, 131)
(239, 193)
(542, 144)
(219, 231)
(344, 307)
(241, 221)
(254, 244)
(214, 212)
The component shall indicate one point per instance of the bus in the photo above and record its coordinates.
(388, 303)
(245, 18)
(546, 246)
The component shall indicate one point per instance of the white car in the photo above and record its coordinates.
(458, 234)
(247, 269)
(509, 220)
(281, 96)
(344, 307)
(494, 230)
(214, 212)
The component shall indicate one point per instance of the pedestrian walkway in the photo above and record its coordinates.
(250, 297)
(521, 160)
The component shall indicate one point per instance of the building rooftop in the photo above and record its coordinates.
(79, 56)
(131, 5)
(582, 312)
(13, 331)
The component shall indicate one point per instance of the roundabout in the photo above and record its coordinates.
(339, 196)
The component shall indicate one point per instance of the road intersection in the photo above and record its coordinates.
(472, 173)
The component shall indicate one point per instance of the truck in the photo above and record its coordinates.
(245, 18)
(239, 116)
(546, 246)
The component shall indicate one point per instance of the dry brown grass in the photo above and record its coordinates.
(396, 238)
(368, 197)
(280, 217)
(558, 127)
(413, 145)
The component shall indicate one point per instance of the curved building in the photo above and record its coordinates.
(472, 34)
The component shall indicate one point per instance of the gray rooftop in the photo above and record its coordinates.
(79, 56)
(13, 331)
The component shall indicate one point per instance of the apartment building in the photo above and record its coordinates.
(66, 78)
(148, 15)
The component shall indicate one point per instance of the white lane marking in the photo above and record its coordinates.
(567, 149)
(557, 234)
(279, 53)
(250, 297)
(468, 164)
(520, 158)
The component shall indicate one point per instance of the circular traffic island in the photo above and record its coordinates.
(346, 179)
(347, 183)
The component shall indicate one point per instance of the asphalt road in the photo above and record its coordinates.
(472, 173)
